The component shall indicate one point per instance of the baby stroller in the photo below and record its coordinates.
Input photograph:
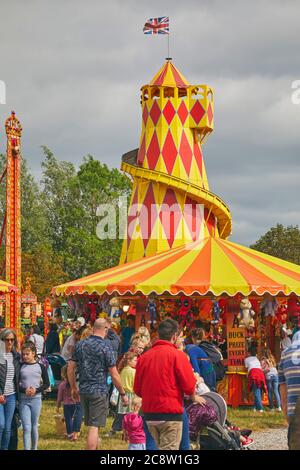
(53, 363)
(56, 362)
(215, 432)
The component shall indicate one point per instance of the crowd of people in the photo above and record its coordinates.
(155, 383)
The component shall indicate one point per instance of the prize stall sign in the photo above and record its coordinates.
(236, 344)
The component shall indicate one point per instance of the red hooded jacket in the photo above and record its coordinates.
(163, 375)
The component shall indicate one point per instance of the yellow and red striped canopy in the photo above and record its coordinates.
(213, 266)
(169, 76)
(5, 287)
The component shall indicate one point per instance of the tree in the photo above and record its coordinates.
(44, 268)
(71, 200)
(282, 242)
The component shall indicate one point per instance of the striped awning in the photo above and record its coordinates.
(213, 266)
(5, 287)
(169, 76)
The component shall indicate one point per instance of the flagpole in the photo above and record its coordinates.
(168, 45)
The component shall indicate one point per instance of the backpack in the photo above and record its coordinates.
(215, 357)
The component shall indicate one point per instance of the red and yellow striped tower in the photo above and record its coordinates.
(171, 204)
(13, 222)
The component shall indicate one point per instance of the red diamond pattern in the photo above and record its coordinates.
(182, 112)
(197, 112)
(192, 218)
(169, 112)
(153, 152)
(169, 152)
(172, 219)
(148, 215)
(131, 217)
(155, 113)
(210, 114)
(211, 222)
(198, 156)
(185, 153)
(145, 114)
(141, 154)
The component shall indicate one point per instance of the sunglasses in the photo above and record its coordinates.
(9, 340)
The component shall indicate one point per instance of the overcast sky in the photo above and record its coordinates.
(73, 70)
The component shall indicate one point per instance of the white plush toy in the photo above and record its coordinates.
(246, 314)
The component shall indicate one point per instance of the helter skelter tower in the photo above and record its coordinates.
(13, 221)
(171, 203)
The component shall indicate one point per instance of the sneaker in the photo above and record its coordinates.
(279, 409)
(234, 428)
(111, 433)
(248, 442)
(261, 411)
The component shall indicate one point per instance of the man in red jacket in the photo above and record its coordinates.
(163, 375)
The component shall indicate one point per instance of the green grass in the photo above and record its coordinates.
(247, 418)
(49, 440)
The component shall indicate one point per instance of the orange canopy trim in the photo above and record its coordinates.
(169, 76)
(5, 287)
(212, 266)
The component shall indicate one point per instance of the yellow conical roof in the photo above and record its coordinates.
(169, 76)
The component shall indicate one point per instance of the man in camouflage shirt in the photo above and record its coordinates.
(94, 359)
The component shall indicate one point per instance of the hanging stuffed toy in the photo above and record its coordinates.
(246, 314)
(114, 306)
(184, 307)
(151, 308)
(282, 314)
(216, 313)
(132, 309)
(92, 310)
(205, 308)
(269, 306)
(293, 305)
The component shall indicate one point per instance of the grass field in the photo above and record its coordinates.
(49, 440)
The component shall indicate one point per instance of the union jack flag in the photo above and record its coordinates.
(157, 25)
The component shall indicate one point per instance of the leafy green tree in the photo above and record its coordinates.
(71, 200)
(282, 242)
(43, 268)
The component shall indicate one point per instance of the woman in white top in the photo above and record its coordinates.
(37, 339)
(9, 383)
(256, 378)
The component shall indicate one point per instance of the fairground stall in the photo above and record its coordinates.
(176, 259)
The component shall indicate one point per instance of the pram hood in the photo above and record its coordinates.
(219, 405)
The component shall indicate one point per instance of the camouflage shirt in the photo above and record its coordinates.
(94, 356)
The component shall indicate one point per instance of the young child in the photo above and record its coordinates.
(133, 427)
(268, 365)
(201, 386)
(72, 410)
(127, 373)
(33, 381)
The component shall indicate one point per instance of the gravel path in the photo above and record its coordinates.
(275, 439)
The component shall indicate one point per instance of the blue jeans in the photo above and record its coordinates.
(73, 417)
(137, 447)
(30, 409)
(185, 440)
(273, 387)
(257, 397)
(6, 415)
